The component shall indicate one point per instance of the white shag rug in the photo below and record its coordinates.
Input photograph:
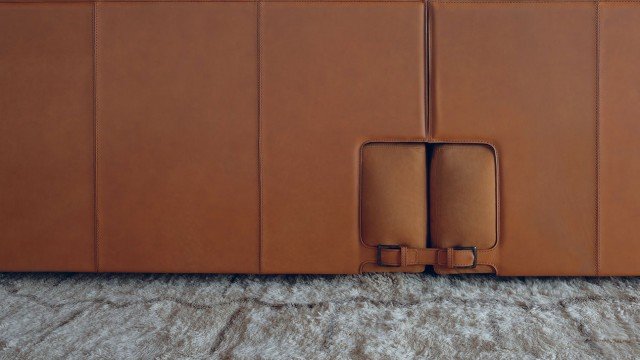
(381, 316)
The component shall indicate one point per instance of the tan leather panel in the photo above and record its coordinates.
(187, 1)
(394, 197)
(177, 137)
(523, 77)
(319, 105)
(619, 138)
(463, 202)
(228, 136)
(46, 132)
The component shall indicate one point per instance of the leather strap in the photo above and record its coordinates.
(468, 257)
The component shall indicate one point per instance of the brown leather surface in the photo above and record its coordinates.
(522, 76)
(177, 173)
(226, 136)
(463, 210)
(319, 104)
(619, 167)
(393, 198)
(46, 137)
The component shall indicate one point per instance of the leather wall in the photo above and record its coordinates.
(492, 80)
(226, 136)
(619, 168)
(318, 106)
(553, 85)
(177, 157)
(46, 132)
(198, 136)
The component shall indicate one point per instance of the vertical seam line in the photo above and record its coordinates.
(259, 96)
(597, 109)
(95, 139)
(425, 41)
(429, 29)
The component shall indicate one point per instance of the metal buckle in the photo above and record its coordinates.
(474, 251)
(379, 254)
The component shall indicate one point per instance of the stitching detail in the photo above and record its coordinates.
(597, 116)
(259, 95)
(425, 68)
(96, 209)
(434, 200)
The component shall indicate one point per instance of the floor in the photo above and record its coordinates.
(382, 316)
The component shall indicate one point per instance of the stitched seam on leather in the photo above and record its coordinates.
(433, 198)
(429, 28)
(426, 75)
(597, 115)
(96, 209)
(259, 95)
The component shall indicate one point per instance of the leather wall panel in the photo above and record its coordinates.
(46, 132)
(217, 137)
(177, 137)
(503, 73)
(619, 138)
(318, 106)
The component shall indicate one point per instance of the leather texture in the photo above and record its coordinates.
(619, 129)
(463, 199)
(538, 109)
(394, 198)
(176, 137)
(46, 132)
(298, 137)
(319, 104)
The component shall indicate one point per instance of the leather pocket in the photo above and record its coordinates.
(394, 197)
(463, 199)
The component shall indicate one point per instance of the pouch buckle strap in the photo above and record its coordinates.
(462, 257)
(384, 261)
(455, 258)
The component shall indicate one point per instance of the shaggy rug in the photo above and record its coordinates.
(50, 316)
